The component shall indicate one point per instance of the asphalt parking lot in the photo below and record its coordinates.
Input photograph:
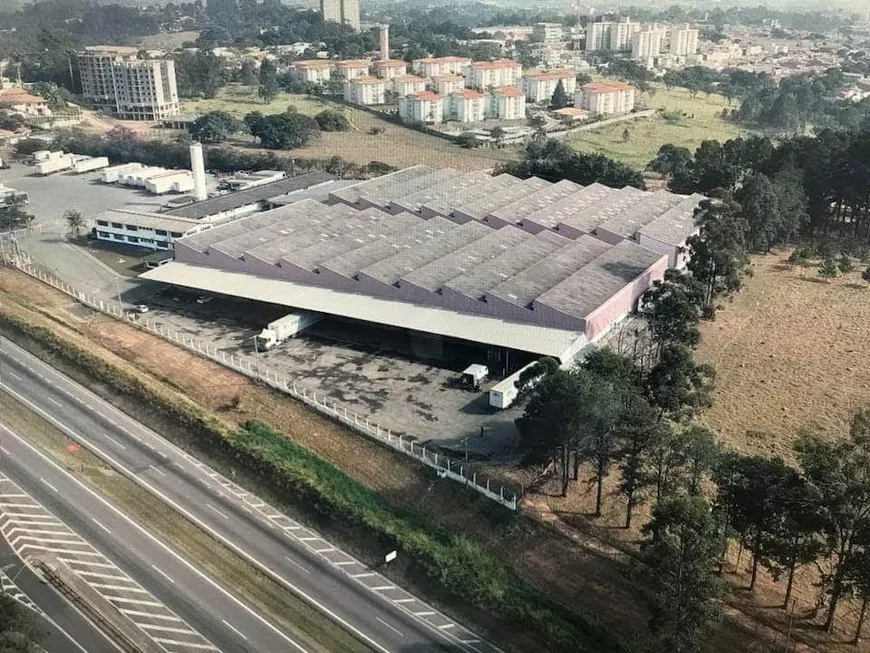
(376, 375)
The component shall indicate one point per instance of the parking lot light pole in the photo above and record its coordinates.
(257, 354)
(118, 287)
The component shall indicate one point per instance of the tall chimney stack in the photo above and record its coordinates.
(385, 41)
(197, 166)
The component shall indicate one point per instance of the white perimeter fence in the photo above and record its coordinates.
(461, 472)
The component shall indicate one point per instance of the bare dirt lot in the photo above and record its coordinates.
(790, 353)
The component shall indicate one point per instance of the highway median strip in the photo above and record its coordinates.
(455, 566)
(244, 581)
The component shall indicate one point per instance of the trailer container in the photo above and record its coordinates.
(286, 327)
(178, 181)
(50, 166)
(505, 392)
(90, 164)
(111, 175)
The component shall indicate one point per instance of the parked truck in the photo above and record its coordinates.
(171, 181)
(50, 166)
(285, 328)
(90, 164)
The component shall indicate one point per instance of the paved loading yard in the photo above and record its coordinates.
(369, 375)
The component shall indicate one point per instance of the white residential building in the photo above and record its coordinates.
(426, 107)
(313, 71)
(467, 105)
(605, 98)
(547, 32)
(647, 43)
(390, 68)
(684, 41)
(507, 103)
(115, 80)
(341, 11)
(447, 84)
(437, 66)
(364, 90)
(408, 85)
(352, 68)
(539, 87)
(612, 36)
(493, 74)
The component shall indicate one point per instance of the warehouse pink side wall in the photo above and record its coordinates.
(624, 302)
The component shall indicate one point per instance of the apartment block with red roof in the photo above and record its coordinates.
(605, 98)
(437, 66)
(408, 85)
(467, 105)
(364, 90)
(493, 74)
(447, 84)
(540, 86)
(506, 103)
(426, 107)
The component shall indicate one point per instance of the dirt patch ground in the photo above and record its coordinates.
(790, 353)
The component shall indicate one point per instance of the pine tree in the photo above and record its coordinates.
(560, 97)
(829, 269)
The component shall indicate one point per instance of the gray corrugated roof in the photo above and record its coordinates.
(386, 195)
(516, 211)
(526, 286)
(610, 205)
(351, 194)
(352, 262)
(438, 272)
(497, 270)
(231, 201)
(675, 225)
(447, 188)
(389, 270)
(204, 240)
(627, 223)
(482, 207)
(587, 289)
(445, 205)
(570, 205)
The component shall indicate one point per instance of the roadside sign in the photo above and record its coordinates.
(390, 556)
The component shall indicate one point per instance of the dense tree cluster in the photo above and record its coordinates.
(553, 160)
(797, 188)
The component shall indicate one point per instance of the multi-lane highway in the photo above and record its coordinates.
(384, 616)
(207, 616)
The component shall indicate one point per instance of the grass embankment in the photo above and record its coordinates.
(456, 567)
(264, 595)
(700, 118)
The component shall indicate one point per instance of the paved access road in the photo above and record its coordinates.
(204, 616)
(386, 617)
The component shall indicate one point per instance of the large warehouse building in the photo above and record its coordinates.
(524, 265)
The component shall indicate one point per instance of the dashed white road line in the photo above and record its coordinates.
(234, 629)
(98, 523)
(394, 629)
(55, 401)
(49, 485)
(158, 470)
(163, 573)
(293, 562)
(216, 510)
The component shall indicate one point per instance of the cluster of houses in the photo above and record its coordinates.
(438, 89)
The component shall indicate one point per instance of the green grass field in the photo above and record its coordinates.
(701, 120)
(241, 100)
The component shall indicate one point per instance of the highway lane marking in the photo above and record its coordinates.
(165, 629)
(447, 626)
(48, 484)
(382, 588)
(291, 560)
(342, 563)
(163, 573)
(326, 550)
(365, 575)
(139, 613)
(163, 640)
(14, 375)
(395, 630)
(55, 402)
(159, 471)
(114, 441)
(123, 588)
(5, 451)
(94, 519)
(284, 581)
(425, 613)
(407, 600)
(216, 510)
(126, 599)
(97, 574)
(87, 563)
(234, 629)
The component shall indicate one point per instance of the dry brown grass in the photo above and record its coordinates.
(790, 353)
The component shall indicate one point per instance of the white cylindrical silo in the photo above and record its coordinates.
(197, 166)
